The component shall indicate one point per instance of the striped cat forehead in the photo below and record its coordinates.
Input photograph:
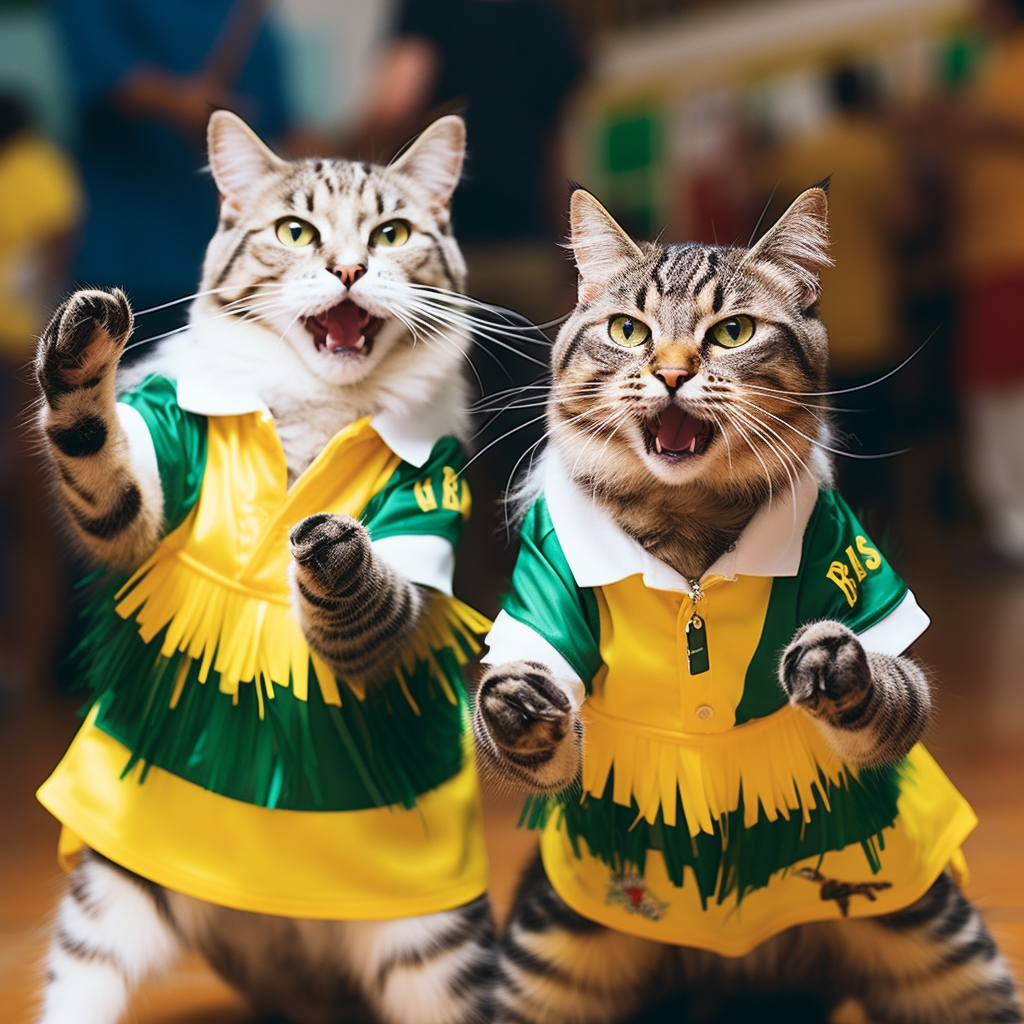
(317, 184)
(673, 277)
(686, 270)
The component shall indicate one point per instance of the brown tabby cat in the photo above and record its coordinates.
(710, 831)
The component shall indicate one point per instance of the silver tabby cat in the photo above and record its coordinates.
(676, 403)
(323, 291)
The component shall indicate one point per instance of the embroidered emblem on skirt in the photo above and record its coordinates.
(629, 891)
(841, 892)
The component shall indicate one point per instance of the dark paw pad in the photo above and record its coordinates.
(83, 339)
(825, 668)
(525, 712)
(329, 546)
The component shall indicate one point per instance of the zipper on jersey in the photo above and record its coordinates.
(696, 634)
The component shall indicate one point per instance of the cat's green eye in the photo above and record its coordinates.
(391, 235)
(295, 233)
(628, 331)
(732, 333)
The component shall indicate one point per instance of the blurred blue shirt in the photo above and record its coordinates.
(151, 206)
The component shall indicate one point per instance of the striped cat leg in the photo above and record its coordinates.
(872, 707)
(435, 969)
(557, 967)
(108, 480)
(355, 610)
(112, 929)
(932, 963)
(526, 725)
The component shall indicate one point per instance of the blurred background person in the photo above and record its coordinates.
(40, 204)
(987, 141)
(145, 75)
(509, 67)
(860, 303)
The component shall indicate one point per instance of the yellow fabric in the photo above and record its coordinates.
(859, 294)
(658, 744)
(933, 821)
(383, 863)
(40, 200)
(219, 583)
(990, 214)
(653, 735)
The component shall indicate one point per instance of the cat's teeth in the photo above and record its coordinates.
(693, 444)
(657, 446)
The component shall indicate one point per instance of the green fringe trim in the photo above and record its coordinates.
(302, 755)
(734, 859)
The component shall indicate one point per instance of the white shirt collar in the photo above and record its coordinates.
(410, 435)
(600, 552)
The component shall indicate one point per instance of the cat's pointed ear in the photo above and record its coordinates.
(601, 247)
(434, 160)
(239, 159)
(798, 242)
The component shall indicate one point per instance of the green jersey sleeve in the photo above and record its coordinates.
(546, 598)
(179, 438)
(429, 499)
(844, 576)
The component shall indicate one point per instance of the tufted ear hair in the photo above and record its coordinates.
(434, 160)
(602, 249)
(798, 242)
(239, 159)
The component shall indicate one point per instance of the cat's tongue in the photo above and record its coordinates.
(677, 431)
(344, 323)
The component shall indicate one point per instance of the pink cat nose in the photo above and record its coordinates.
(672, 376)
(350, 274)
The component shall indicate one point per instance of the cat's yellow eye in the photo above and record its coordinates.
(628, 331)
(732, 333)
(294, 232)
(391, 235)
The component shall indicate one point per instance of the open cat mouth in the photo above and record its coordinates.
(345, 330)
(675, 434)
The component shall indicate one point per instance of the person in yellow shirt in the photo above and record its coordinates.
(40, 204)
(988, 137)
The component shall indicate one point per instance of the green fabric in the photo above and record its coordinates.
(545, 596)
(306, 756)
(303, 755)
(734, 859)
(394, 510)
(811, 596)
(179, 438)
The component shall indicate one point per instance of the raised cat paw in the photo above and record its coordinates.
(328, 550)
(83, 341)
(526, 725)
(825, 671)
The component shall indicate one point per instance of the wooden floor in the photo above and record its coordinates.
(975, 649)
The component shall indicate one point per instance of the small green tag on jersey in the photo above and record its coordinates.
(697, 646)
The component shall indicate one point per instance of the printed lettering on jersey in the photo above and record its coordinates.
(454, 493)
(853, 567)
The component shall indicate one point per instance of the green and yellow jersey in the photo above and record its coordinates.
(220, 756)
(711, 812)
